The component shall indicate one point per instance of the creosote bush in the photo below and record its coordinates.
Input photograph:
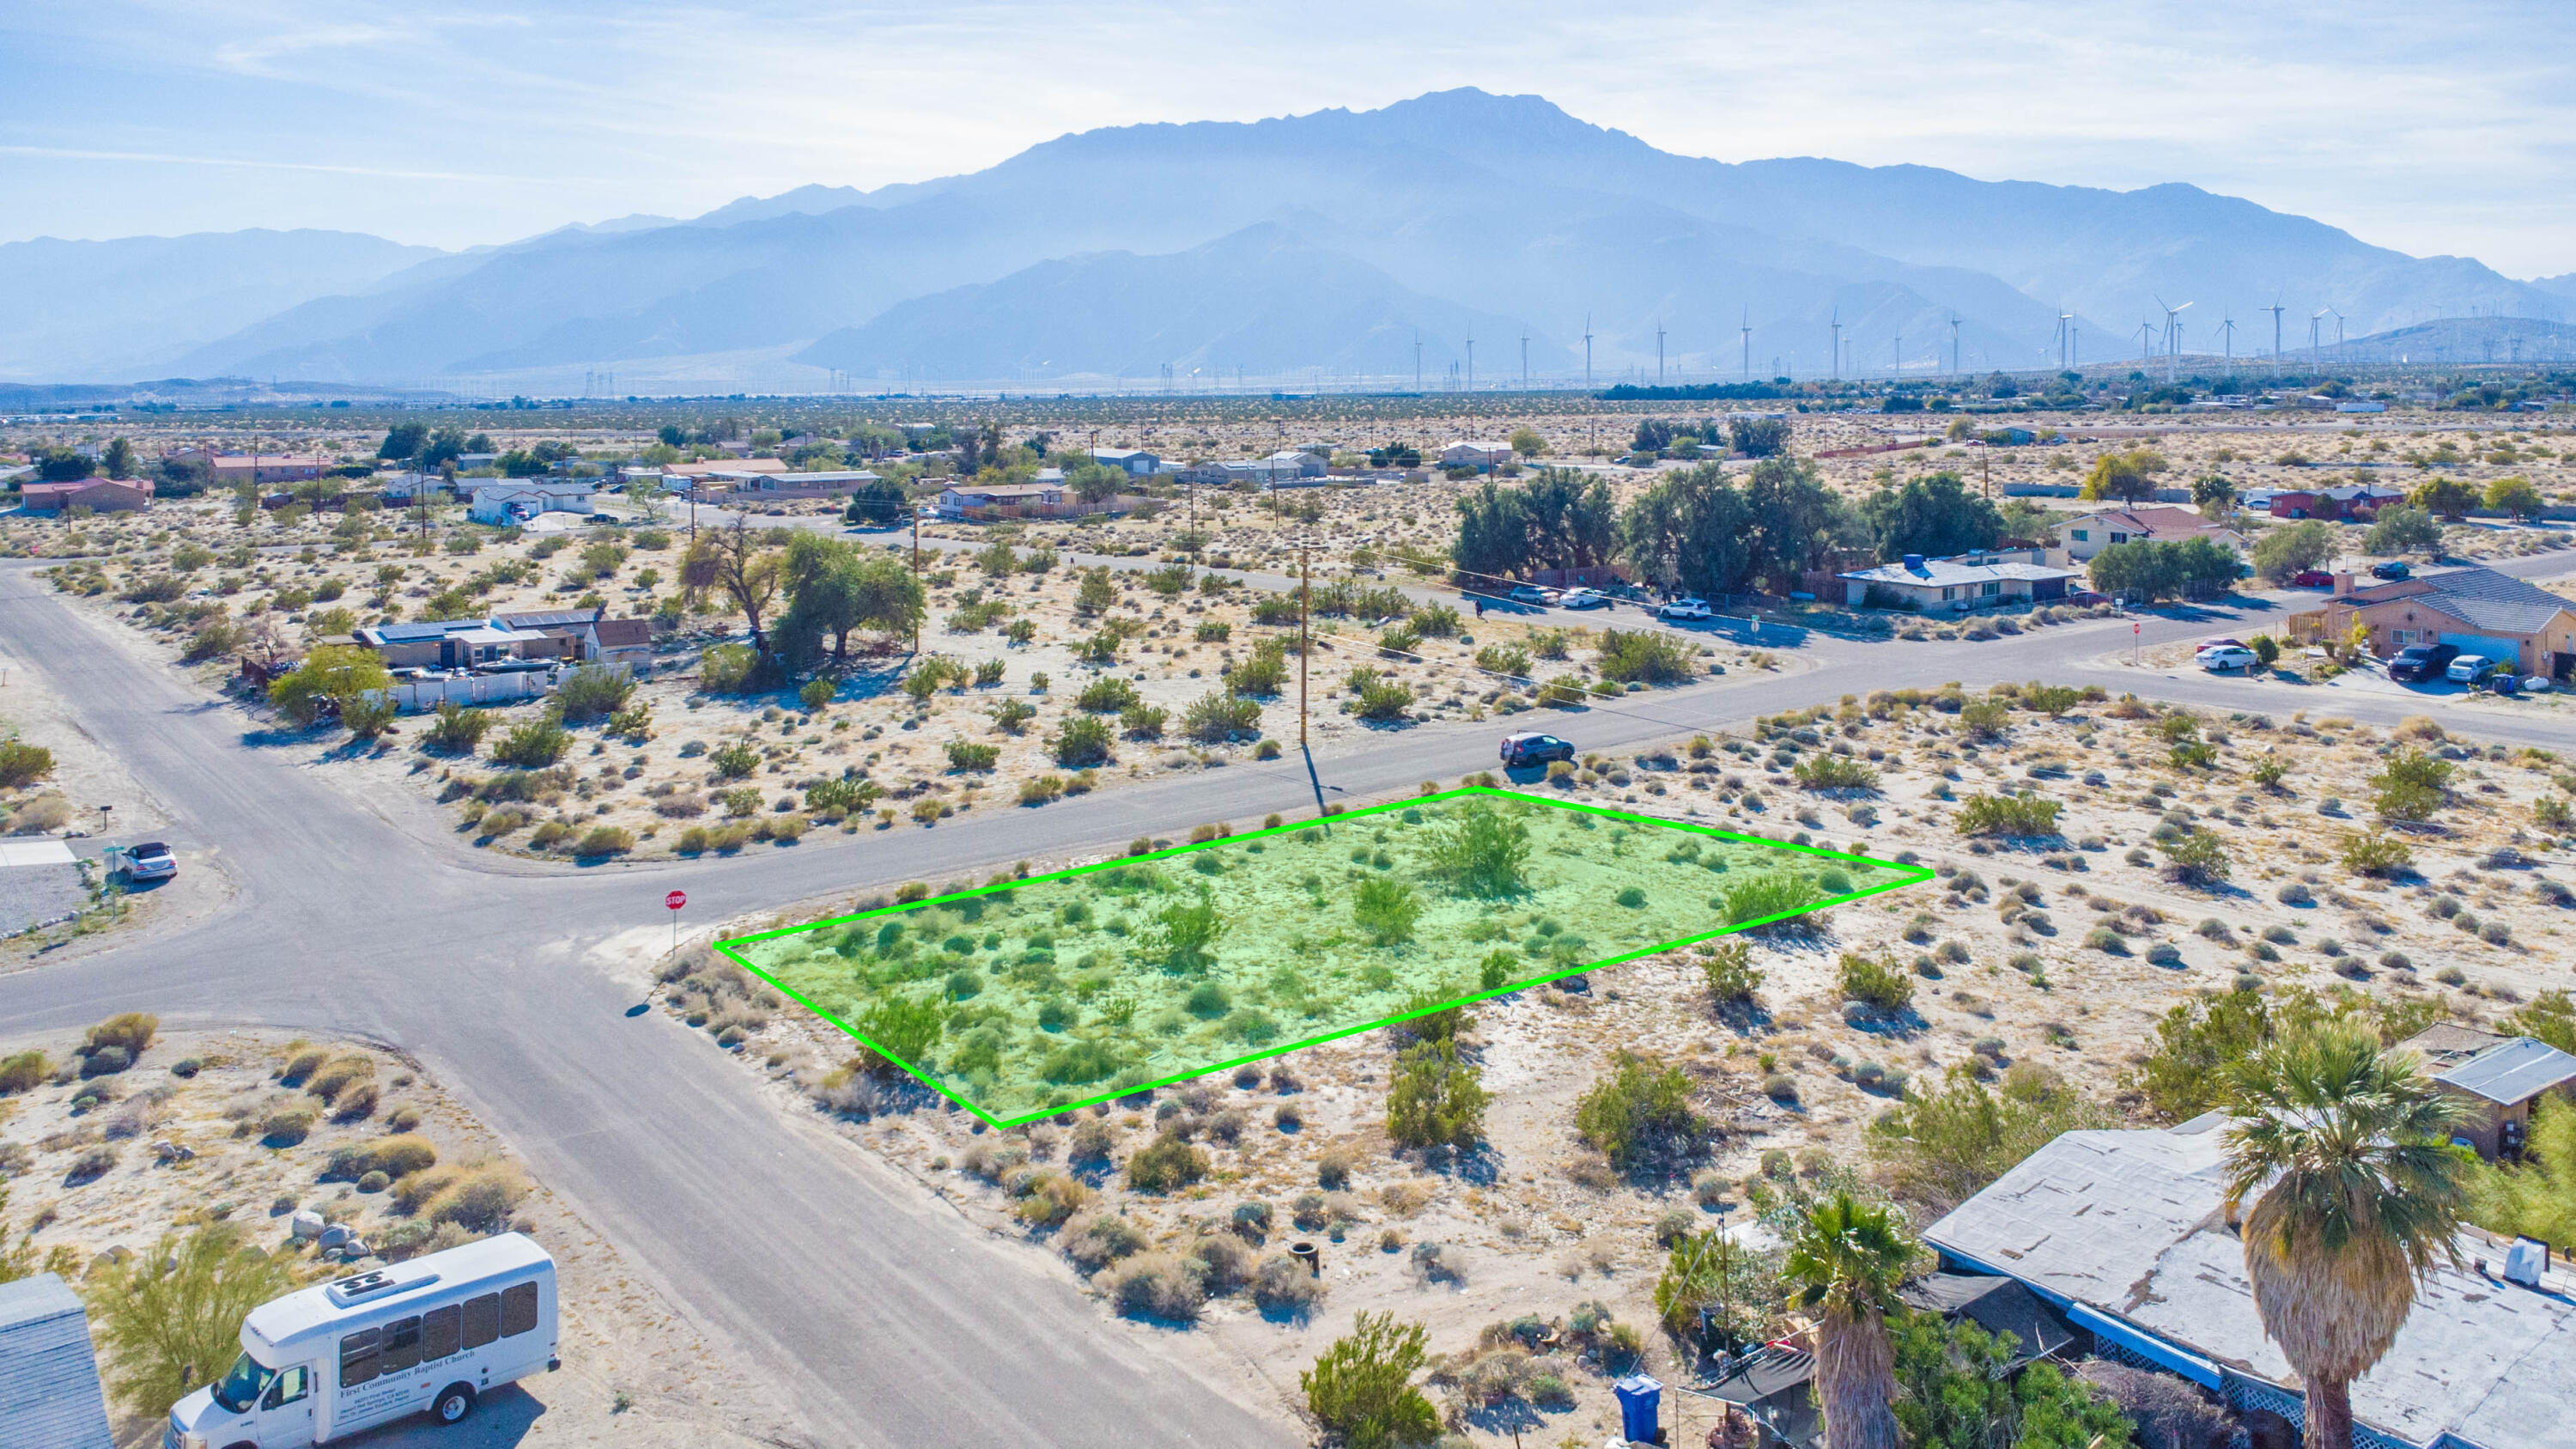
(1640, 1112)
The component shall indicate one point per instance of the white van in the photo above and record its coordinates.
(431, 1334)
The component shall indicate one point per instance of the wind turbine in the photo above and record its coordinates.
(1954, 344)
(2338, 316)
(2315, 343)
(1837, 325)
(1898, 372)
(2173, 337)
(1659, 354)
(1587, 352)
(2275, 309)
(2146, 337)
(2229, 327)
(1746, 327)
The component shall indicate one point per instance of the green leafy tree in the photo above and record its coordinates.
(1715, 1292)
(340, 673)
(2513, 495)
(1798, 520)
(170, 1318)
(2403, 530)
(2181, 1075)
(2450, 498)
(2283, 553)
(1942, 1146)
(1936, 515)
(1688, 532)
(2214, 494)
(1846, 1260)
(2360, 1194)
(1361, 1389)
(2127, 476)
(2535, 1198)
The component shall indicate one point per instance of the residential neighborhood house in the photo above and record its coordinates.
(1135, 462)
(99, 495)
(2497, 1079)
(2132, 1236)
(1955, 585)
(970, 500)
(2083, 535)
(571, 636)
(517, 500)
(2350, 502)
(2476, 610)
(1475, 453)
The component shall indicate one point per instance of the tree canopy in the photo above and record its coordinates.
(1935, 515)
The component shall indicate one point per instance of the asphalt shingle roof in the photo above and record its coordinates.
(2482, 599)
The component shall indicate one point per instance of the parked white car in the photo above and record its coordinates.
(2226, 656)
(2470, 669)
(1583, 599)
(1685, 611)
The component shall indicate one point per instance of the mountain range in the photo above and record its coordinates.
(1383, 243)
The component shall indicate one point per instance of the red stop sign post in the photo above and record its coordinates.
(674, 900)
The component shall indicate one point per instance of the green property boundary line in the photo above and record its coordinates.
(1910, 875)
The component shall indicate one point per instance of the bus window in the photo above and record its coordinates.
(402, 1345)
(518, 1308)
(482, 1320)
(358, 1358)
(290, 1385)
(438, 1333)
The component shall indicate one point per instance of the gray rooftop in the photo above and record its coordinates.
(2479, 597)
(2516, 1071)
(1948, 572)
(2133, 1225)
(49, 1393)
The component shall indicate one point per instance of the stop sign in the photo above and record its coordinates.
(676, 899)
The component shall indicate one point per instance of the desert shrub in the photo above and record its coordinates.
(732, 669)
(735, 760)
(1771, 894)
(23, 764)
(457, 730)
(1282, 1288)
(969, 756)
(2375, 853)
(606, 840)
(339, 1074)
(1435, 1100)
(1048, 1199)
(1641, 1111)
(1941, 1146)
(130, 1030)
(1880, 984)
(2410, 785)
(533, 744)
(1106, 695)
(479, 1200)
(1223, 1262)
(287, 1127)
(1361, 1388)
(1376, 697)
(1141, 721)
(1732, 979)
(2196, 858)
(903, 1028)
(1155, 1285)
(24, 1071)
(1165, 1164)
(1643, 656)
(1081, 742)
(1480, 851)
(1217, 717)
(593, 691)
(1835, 772)
(2006, 815)
(1387, 909)
(2166, 1412)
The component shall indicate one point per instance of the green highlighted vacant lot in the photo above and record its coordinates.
(1060, 990)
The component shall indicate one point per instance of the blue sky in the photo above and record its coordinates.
(2429, 129)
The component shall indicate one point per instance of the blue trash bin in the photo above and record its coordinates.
(1640, 1408)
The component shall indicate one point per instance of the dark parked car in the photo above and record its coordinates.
(2422, 661)
(2389, 570)
(1534, 749)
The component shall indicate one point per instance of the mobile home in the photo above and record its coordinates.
(429, 1335)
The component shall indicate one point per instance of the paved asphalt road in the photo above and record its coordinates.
(885, 1322)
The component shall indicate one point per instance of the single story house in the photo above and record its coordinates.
(225, 470)
(516, 500)
(2351, 502)
(729, 465)
(99, 495)
(1279, 469)
(454, 643)
(586, 635)
(1955, 585)
(1475, 453)
(49, 1393)
(1297, 463)
(744, 482)
(2130, 1235)
(962, 500)
(2475, 610)
(1134, 462)
(2085, 534)
(2498, 1079)
(399, 488)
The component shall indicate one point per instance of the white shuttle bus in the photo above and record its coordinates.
(431, 1334)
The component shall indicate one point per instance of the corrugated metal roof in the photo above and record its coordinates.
(1940, 571)
(49, 1395)
(2518, 1070)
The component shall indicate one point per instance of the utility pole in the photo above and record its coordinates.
(1305, 645)
(916, 569)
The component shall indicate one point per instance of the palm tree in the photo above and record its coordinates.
(1847, 1259)
(2360, 1194)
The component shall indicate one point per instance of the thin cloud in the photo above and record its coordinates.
(163, 158)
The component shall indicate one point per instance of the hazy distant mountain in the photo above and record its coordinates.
(103, 308)
(2562, 285)
(1449, 211)
(1262, 300)
(2453, 339)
